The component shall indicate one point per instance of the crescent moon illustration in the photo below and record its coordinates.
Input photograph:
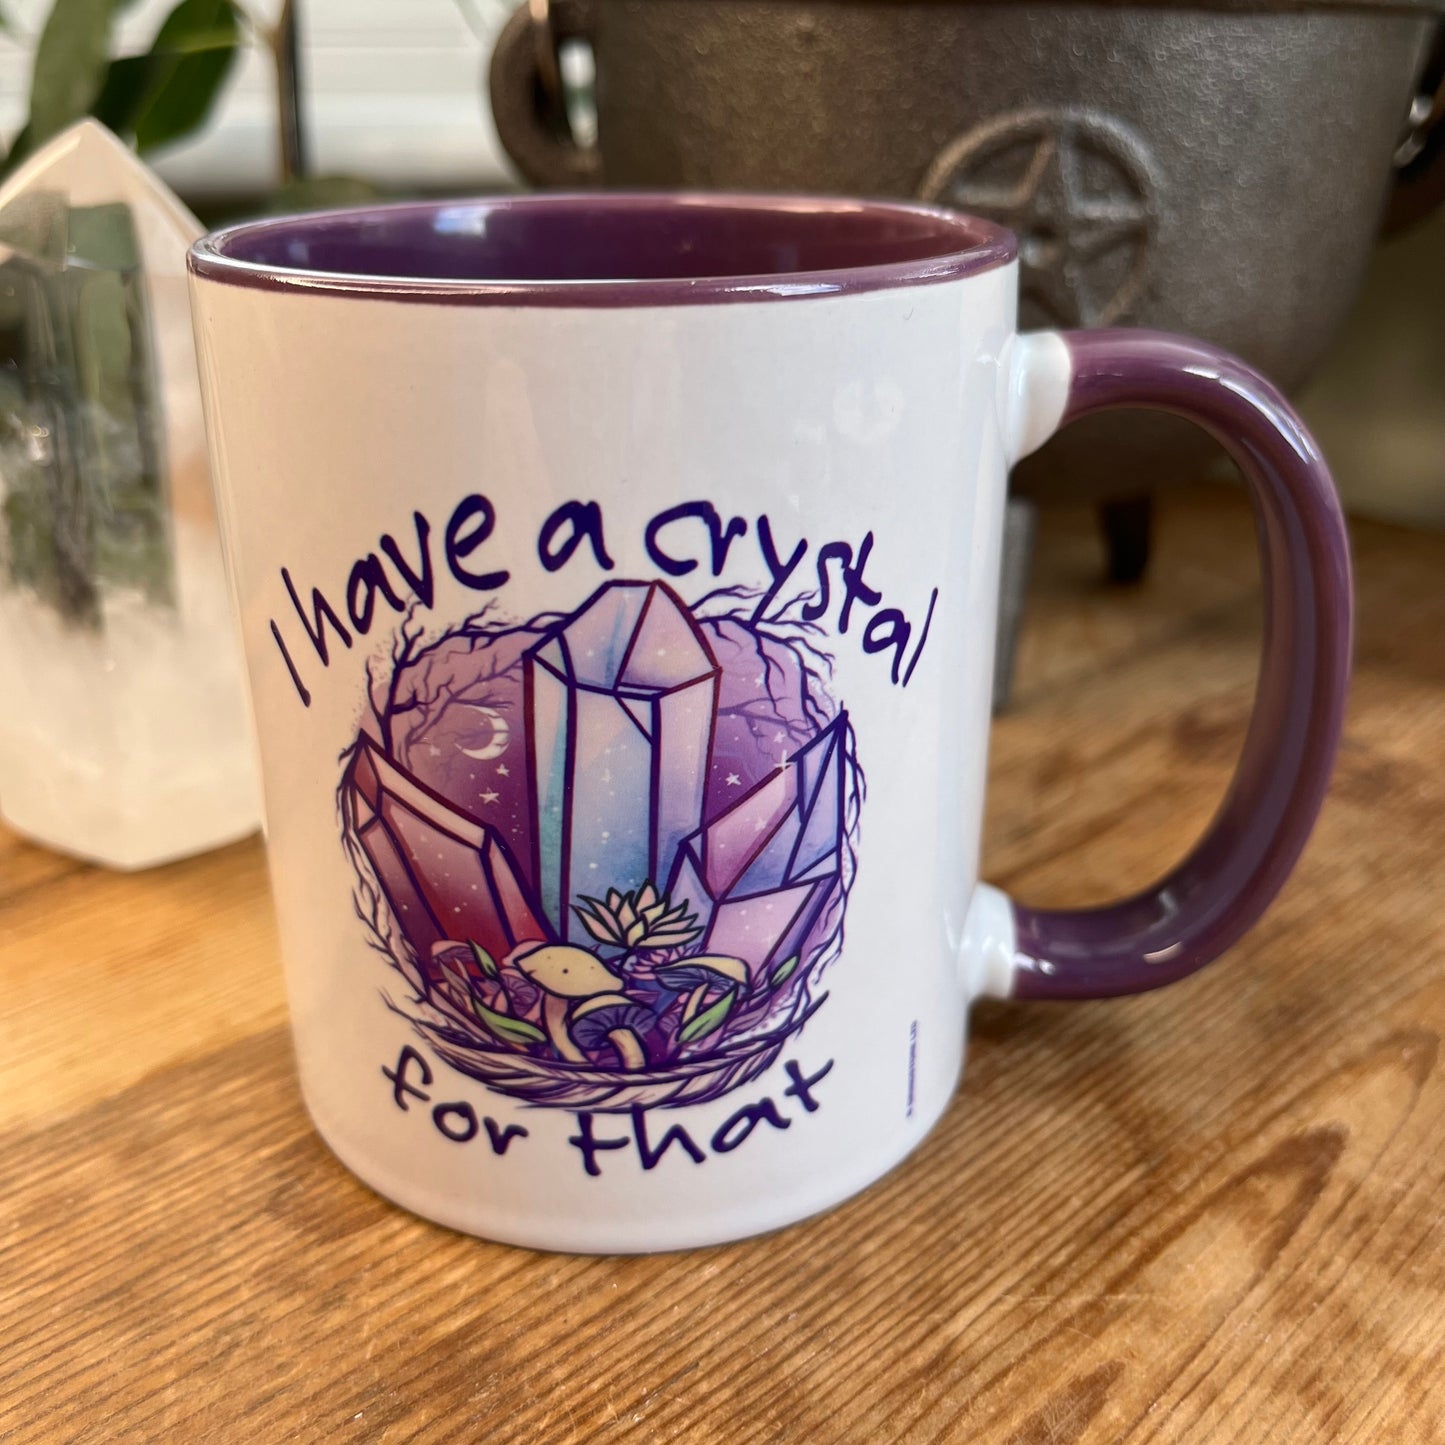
(497, 743)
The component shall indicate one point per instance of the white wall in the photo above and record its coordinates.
(395, 93)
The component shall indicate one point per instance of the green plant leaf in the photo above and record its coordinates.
(506, 1028)
(485, 961)
(19, 149)
(69, 68)
(709, 1021)
(783, 972)
(127, 83)
(190, 59)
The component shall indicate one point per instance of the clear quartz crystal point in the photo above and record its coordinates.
(123, 729)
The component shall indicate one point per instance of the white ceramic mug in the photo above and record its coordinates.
(617, 577)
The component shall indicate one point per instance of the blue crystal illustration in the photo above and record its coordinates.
(611, 851)
(621, 699)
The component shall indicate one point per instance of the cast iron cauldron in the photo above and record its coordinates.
(1219, 170)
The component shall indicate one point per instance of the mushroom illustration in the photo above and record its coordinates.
(563, 973)
(612, 1018)
(700, 975)
(469, 971)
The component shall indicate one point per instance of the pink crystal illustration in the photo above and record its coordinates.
(762, 870)
(609, 850)
(445, 875)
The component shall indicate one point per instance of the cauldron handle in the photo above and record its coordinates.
(1420, 185)
(527, 104)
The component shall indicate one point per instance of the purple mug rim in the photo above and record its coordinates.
(968, 245)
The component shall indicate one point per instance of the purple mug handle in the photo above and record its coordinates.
(1204, 905)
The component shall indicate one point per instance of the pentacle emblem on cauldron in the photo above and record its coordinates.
(608, 850)
(1080, 191)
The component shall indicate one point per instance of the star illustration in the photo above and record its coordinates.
(490, 797)
(1066, 228)
(733, 781)
(503, 770)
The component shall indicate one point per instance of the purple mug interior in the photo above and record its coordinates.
(629, 249)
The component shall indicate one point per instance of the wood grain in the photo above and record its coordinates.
(1210, 1214)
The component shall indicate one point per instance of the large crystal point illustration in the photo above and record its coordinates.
(621, 696)
(123, 736)
(445, 875)
(762, 871)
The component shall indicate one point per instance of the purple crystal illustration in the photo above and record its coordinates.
(762, 870)
(609, 850)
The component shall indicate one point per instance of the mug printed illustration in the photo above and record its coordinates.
(608, 850)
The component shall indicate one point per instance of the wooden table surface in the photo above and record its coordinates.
(1214, 1213)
